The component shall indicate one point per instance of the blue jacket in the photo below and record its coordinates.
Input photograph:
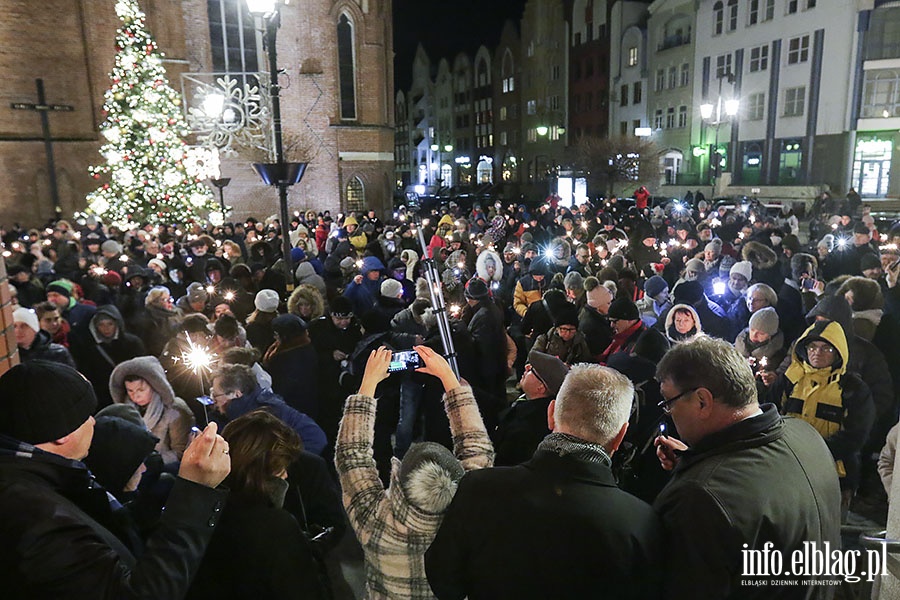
(312, 435)
(364, 295)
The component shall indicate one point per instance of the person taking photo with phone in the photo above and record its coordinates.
(397, 524)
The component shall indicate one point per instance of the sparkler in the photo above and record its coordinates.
(210, 289)
(229, 296)
(198, 359)
(454, 309)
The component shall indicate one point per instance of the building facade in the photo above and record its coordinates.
(337, 55)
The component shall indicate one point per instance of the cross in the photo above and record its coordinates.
(43, 108)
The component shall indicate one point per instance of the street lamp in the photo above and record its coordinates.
(221, 183)
(440, 160)
(714, 115)
(279, 173)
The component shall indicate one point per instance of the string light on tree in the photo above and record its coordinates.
(145, 165)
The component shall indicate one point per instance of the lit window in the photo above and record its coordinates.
(632, 56)
(756, 107)
(232, 37)
(356, 196)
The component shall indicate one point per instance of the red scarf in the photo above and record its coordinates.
(619, 341)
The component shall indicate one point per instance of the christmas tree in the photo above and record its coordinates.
(152, 175)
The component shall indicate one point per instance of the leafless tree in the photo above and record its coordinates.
(617, 160)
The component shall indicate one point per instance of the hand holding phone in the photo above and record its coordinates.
(408, 360)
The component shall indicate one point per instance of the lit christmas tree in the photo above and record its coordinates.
(153, 176)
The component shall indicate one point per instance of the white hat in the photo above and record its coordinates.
(391, 288)
(266, 301)
(27, 316)
(744, 267)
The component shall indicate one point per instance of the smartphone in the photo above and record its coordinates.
(808, 283)
(408, 360)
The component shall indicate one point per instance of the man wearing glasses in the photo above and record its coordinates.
(743, 477)
(817, 388)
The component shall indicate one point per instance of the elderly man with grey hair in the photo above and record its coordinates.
(556, 526)
(746, 480)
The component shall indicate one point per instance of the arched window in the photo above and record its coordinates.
(356, 196)
(718, 17)
(346, 68)
(732, 14)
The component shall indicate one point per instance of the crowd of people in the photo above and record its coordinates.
(673, 365)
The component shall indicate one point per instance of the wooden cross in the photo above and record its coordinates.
(43, 108)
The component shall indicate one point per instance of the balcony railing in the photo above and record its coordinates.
(673, 41)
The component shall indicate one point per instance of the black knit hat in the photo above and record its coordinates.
(565, 315)
(117, 450)
(623, 309)
(476, 289)
(43, 401)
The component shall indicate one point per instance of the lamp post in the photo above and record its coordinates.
(220, 184)
(712, 115)
(279, 173)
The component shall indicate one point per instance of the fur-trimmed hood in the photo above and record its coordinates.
(482, 265)
(147, 368)
(759, 255)
(411, 258)
(309, 294)
(558, 252)
(670, 320)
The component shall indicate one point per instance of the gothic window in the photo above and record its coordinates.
(346, 69)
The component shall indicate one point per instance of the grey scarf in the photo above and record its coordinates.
(564, 444)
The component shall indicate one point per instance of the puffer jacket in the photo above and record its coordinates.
(167, 417)
(527, 292)
(572, 352)
(42, 348)
(838, 404)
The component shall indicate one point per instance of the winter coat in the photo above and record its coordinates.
(157, 326)
(167, 416)
(650, 311)
(59, 545)
(311, 434)
(294, 370)
(310, 295)
(404, 329)
(97, 358)
(260, 334)
(836, 403)
(378, 318)
(765, 264)
(364, 295)
(486, 328)
(43, 349)
(592, 539)
(527, 292)
(572, 352)
(239, 562)
(596, 329)
(393, 533)
(720, 501)
(521, 429)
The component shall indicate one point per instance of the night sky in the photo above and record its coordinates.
(446, 27)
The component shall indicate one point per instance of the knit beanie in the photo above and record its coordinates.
(725, 266)
(27, 316)
(476, 289)
(112, 280)
(715, 246)
(266, 301)
(429, 476)
(197, 293)
(765, 320)
(44, 401)
(574, 281)
(695, 265)
(62, 287)
(565, 315)
(654, 286)
(340, 306)
(118, 448)
(623, 309)
(391, 288)
(744, 268)
(111, 246)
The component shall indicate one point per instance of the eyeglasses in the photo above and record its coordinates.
(666, 405)
(819, 348)
(567, 329)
